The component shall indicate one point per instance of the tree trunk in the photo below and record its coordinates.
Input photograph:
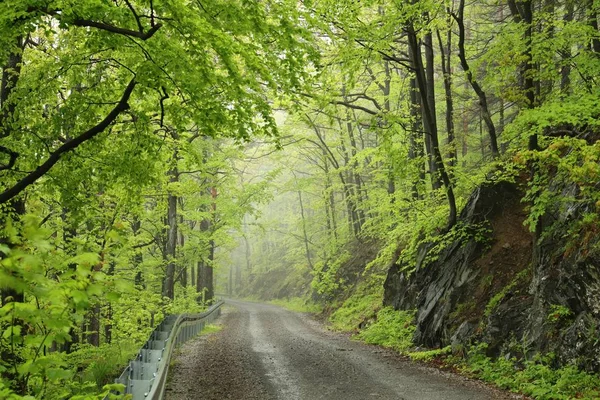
(207, 276)
(565, 71)
(304, 233)
(93, 331)
(205, 283)
(483, 103)
(415, 149)
(429, 118)
(447, 73)
(171, 242)
(428, 96)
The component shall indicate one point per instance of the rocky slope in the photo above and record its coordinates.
(495, 283)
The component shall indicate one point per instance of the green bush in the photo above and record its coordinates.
(534, 378)
(357, 309)
(393, 329)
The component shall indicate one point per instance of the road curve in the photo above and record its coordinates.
(265, 352)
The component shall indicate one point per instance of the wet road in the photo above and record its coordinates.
(264, 352)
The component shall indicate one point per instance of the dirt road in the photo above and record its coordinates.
(264, 352)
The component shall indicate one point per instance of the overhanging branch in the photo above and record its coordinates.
(68, 146)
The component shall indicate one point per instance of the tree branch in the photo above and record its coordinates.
(135, 15)
(115, 29)
(13, 158)
(137, 246)
(70, 145)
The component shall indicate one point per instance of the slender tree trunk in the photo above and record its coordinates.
(192, 276)
(329, 200)
(205, 283)
(429, 119)
(209, 274)
(483, 103)
(93, 331)
(328, 155)
(171, 242)
(445, 52)
(386, 91)
(415, 146)
(565, 71)
(183, 272)
(351, 187)
(429, 97)
(138, 258)
(304, 233)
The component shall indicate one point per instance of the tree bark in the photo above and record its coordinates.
(415, 146)
(428, 96)
(171, 242)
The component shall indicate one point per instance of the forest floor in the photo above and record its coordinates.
(265, 352)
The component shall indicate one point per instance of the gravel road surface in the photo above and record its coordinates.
(264, 352)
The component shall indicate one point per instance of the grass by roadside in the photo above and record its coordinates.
(298, 304)
(211, 328)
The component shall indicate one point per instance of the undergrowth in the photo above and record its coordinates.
(534, 378)
(393, 329)
(210, 328)
(355, 310)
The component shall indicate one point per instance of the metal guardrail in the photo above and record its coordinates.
(145, 377)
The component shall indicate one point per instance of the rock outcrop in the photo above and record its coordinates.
(495, 285)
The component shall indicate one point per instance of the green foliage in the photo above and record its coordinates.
(460, 233)
(53, 285)
(568, 160)
(327, 280)
(392, 328)
(358, 308)
(534, 378)
(186, 301)
(101, 365)
(428, 355)
(559, 313)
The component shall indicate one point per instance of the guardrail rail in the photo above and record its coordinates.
(145, 377)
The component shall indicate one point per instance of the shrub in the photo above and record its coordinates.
(393, 329)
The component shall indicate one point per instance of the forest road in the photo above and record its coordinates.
(264, 352)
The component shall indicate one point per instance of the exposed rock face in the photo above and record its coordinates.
(565, 315)
(518, 298)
